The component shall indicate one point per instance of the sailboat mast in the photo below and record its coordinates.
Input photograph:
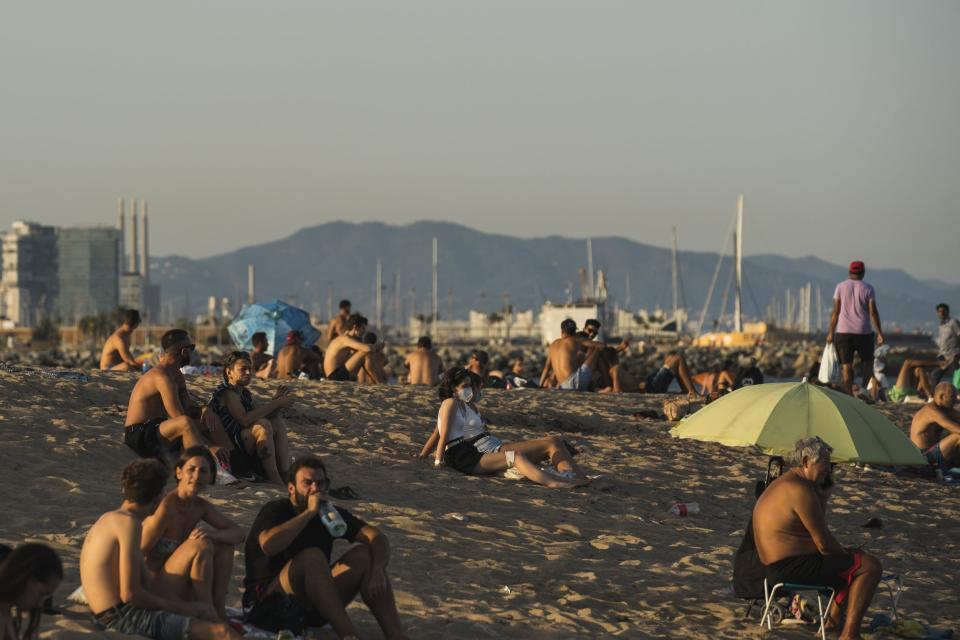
(738, 248)
(590, 283)
(674, 269)
(435, 301)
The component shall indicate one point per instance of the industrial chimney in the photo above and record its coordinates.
(250, 284)
(121, 225)
(133, 240)
(144, 245)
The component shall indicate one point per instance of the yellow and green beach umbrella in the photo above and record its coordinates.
(774, 416)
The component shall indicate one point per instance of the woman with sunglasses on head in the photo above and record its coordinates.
(28, 575)
(257, 431)
(462, 441)
(187, 543)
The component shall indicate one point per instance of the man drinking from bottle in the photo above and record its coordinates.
(290, 581)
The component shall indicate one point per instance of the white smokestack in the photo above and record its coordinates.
(121, 225)
(144, 245)
(133, 240)
(250, 284)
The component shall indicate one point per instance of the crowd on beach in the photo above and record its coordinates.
(159, 565)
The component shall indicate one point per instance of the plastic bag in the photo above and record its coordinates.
(829, 366)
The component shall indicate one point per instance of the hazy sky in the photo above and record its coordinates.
(244, 121)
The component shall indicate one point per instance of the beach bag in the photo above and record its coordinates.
(829, 365)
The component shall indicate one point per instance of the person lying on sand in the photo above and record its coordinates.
(160, 413)
(29, 575)
(373, 370)
(116, 355)
(187, 543)
(571, 359)
(348, 353)
(936, 428)
(912, 380)
(795, 545)
(258, 431)
(119, 591)
(674, 366)
(293, 356)
(262, 363)
(425, 366)
(462, 441)
(290, 580)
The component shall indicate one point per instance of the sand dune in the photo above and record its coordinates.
(489, 557)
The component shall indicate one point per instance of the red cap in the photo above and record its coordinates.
(857, 267)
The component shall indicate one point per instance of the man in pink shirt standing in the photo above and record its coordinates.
(854, 307)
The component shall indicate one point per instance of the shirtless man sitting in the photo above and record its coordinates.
(347, 353)
(571, 359)
(293, 356)
(261, 363)
(795, 545)
(609, 362)
(161, 414)
(116, 354)
(119, 591)
(373, 370)
(338, 324)
(936, 428)
(424, 364)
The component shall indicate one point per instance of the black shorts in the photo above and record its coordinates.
(340, 374)
(848, 343)
(834, 570)
(463, 456)
(144, 438)
(279, 611)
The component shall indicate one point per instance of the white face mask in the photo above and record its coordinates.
(465, 394)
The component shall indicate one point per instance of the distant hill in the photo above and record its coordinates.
(477, 269)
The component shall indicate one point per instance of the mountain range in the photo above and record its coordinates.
(478, 270)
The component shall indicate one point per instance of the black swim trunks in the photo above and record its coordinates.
(834, 570)
(849, 343)
(340, 374)
(279, 611)
(144, 438)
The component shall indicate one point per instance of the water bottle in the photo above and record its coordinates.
(685, 508)
(332, 520)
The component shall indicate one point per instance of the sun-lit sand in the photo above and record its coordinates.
(489, 557)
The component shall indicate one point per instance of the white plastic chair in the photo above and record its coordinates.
(771, 594)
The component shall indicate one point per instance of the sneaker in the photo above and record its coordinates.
(225, 477)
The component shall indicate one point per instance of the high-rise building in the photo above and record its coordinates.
(89, 261)
(28, 285)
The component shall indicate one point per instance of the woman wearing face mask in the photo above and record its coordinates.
(28, 575)
(187, 543)
(462, 441)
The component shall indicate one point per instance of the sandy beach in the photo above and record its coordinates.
(489, 557)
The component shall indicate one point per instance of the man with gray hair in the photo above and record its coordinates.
(795, 545)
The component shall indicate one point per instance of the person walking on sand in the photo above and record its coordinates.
(291, 581)
(854, 308)
(116, 355)
(795, 545)
(160, 413)
(461, 440)
(424, 364)
(187, 542)
(29, 575)
(112, 570)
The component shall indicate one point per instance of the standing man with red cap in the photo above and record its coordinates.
(854, 308)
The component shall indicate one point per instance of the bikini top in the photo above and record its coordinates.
(465, 423)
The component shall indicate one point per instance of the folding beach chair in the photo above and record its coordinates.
(770, 606)
(748, 571)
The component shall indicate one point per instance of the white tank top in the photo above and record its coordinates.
(465, 423)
